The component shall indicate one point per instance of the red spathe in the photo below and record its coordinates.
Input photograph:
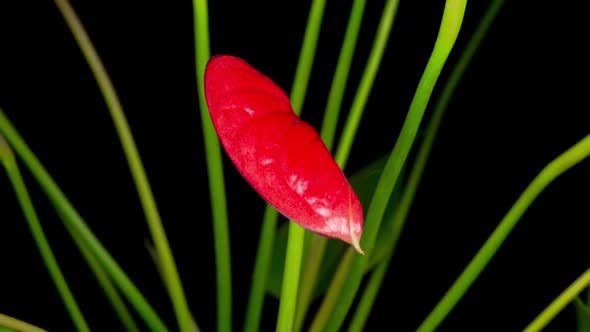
(282, 157)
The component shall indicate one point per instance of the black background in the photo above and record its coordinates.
(521, 103)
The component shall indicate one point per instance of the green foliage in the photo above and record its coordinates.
(385, 188)
(582, 315)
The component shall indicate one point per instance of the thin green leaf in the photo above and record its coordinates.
(7, 158)
(354, 116)
(264, 274)
(566, 160)
(364, 182)
(364, 89)
(338, 87)
(148, 203)
(6, 329)
(79, 228)
(417, 169)
(214, 172)
(291, 275)
(290, 288)
(106, 284)
(271, 216)
(368, 298)
(449, 29)
(333, 254)
(313, 262)
(560, 302)
(307, 55)
(582, 315)
(20, 189)
(12, 324)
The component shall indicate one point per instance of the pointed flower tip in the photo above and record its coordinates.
(356, 244)
(355, 221)
(358, 248)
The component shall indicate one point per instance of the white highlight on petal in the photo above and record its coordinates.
(249, 111)
(320, 206)
(266, 161)
(299, 185)
(323, 211)
(337, 225)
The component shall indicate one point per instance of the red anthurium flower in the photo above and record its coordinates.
(281, 156)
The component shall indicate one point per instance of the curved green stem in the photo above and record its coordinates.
(261, 267)
(79, 227)
(309, 277)
(291, 278)
(357, 324)
(287, 307)
(565, 298)
(20, 189)
(327, 132)
(331, 298)
(402, 210)
(215, 173)
(307, 55)
(172, 279)
(18, 325)
(111, 293)
(338, 87)
(118, 304)
(569, 158)
(449, 29)
(360, 100)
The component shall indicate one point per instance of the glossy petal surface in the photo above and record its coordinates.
(282, 157)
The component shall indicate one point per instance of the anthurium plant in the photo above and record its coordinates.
(290, 227)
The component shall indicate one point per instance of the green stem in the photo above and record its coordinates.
(402, 210)
(360, 100)
(307, 55)
(79, 227)
(288, 305)
(327, 132)
(105, 283)
(331, 298)
(351, 124)
(215, 173)
(291, 278)
(118, 305)
(566, 297)
(20, 189)
(338, 87)
(569, 158)
(261, 267)
(449, 29)
(370, 293)
(144, 191)
(18, 325)
(309, 277)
